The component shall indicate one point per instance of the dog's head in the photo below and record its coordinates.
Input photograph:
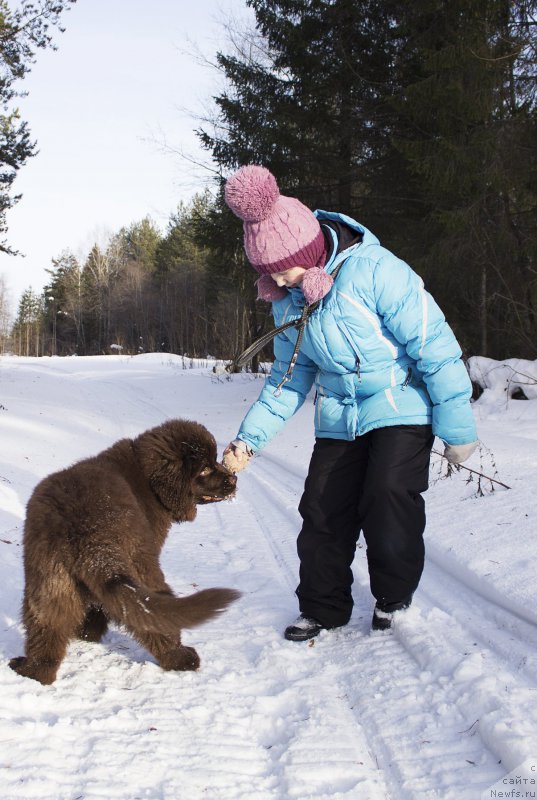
(179, 459)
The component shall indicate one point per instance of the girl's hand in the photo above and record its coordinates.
(457, 453)
(237, 456)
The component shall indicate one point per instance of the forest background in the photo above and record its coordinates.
(417, 119)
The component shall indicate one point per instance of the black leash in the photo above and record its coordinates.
(260, 343)
(251, 351)
(302, 322)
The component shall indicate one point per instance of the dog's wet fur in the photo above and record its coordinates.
(92, 540)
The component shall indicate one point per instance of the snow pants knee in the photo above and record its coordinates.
(372, 484)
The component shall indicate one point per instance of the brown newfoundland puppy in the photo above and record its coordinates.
(92, 539)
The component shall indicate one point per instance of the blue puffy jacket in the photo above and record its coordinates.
(378, 349)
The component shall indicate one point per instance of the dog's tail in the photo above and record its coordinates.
(137, 607)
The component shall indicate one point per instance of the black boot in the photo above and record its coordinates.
(303, 628)
(383, 614)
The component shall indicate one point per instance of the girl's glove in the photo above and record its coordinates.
(457, 453)
(237, 455)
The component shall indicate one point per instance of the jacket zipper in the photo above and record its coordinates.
(348, 337)
(319, 403)
(408, 378)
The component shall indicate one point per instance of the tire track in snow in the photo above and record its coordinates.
(318, 751)
(450, 634)
(430, 699)
(495, 627)
(301, 746)
(446, 578)
(484, 655)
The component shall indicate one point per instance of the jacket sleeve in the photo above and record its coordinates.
(416, 321)
(269, 413)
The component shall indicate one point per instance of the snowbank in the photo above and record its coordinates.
(443, 707)
(513, 377)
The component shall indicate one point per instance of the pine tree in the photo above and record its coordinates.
(465, 125)
(100, 270)
(22, 31)
(28, 328)
(63, 307)
(309, 102)
(306, 97)
(140, 242)
(418, 119)
(186, 324)
(133, 301)
(230, 282)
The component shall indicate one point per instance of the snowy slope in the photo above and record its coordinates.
(442, 707)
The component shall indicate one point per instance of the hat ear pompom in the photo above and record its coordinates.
(268, 289)
(316, 284)
(251, 193)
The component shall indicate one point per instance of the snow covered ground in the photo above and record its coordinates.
(444, 706)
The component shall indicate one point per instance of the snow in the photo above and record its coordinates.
(444, 706)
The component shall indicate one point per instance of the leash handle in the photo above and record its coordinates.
(260, 343)
(289, 373)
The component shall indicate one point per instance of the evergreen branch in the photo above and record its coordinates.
(491, 60)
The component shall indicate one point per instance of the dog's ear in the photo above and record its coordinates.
(155, 452)
(171, 456)
(189, 442)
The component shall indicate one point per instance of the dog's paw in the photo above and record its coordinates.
(182, 659)
(17, 663)
(44, 673)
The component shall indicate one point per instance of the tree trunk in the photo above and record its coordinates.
(483, 311)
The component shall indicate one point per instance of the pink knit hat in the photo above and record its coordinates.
(279, 232)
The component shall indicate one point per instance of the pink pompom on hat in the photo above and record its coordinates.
(279, 232)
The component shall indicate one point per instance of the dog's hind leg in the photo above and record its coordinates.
(45, 650)
(170, 653)
(94, 626)
(52, 614)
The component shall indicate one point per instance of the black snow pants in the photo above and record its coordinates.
(372, 484)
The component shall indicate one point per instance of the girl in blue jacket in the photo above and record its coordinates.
(388, 377)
